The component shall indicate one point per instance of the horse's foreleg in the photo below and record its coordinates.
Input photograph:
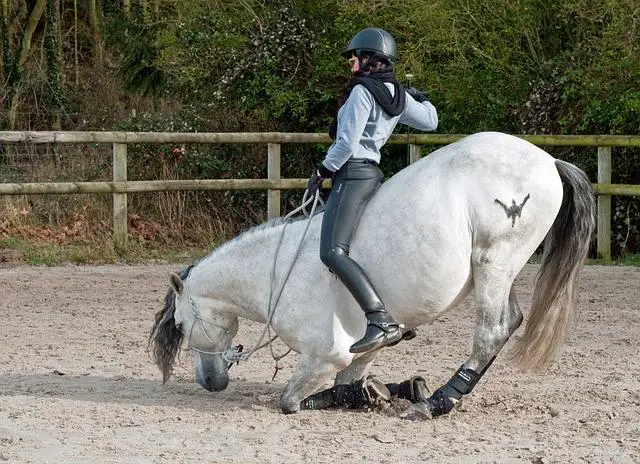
(311, 374)
(352, 388)
(358, 369)
(497, 318)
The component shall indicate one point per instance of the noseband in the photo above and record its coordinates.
(230, 355)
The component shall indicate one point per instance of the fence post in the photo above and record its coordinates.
(414, 153)
(604, 204)
(273, 173)
(120, 199)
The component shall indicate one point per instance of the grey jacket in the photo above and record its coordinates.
(364, 127)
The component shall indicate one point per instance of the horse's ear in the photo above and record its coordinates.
(176, 283)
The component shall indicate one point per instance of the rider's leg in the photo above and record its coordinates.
(353, 186)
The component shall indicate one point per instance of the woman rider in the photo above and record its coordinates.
(374, 103)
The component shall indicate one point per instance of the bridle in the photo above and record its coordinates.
(231, 355)
(198, 319)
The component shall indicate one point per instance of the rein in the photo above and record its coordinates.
(236, 354)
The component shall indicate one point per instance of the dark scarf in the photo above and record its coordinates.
(374, 82)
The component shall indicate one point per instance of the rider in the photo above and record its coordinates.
(374, 103)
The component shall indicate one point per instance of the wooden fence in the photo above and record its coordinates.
(120, 186)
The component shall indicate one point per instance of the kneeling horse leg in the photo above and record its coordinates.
(364, 393)
(495, 323)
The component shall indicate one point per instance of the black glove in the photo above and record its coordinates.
(317, 177)
(416, 94)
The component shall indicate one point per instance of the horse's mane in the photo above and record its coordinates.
(165, 337)
(257, 230)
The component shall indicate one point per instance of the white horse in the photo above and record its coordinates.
(464, 219)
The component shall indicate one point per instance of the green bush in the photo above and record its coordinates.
(520, 66)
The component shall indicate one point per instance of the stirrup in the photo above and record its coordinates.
(407, 335)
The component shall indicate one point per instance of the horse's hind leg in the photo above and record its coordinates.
(497, 318)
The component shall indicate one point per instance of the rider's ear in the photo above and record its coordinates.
(176, 283)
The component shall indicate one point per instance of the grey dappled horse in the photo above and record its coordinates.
(464, 219)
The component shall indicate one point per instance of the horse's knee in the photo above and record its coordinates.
(288, 405)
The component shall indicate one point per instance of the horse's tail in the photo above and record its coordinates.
(165, 337)
(556, 288)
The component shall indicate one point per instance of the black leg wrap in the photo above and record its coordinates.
(462, 383)
(320, 400)
(363, 393)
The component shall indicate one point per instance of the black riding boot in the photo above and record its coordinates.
(381, 331)
(353, 186)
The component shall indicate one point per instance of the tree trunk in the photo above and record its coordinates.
(4, 38)
(34, 19)
(53, 54)
(15, 59)
(75, 42)
(94, 20)
(126, 7)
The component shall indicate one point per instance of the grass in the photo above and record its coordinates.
(14, 249)
(628, 260)
(631, 260)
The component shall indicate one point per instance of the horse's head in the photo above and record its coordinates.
(208, 331)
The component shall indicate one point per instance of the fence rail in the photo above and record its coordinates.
(120, 186)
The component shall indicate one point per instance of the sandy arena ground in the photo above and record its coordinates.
(78, 386)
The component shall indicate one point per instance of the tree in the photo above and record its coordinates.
(53, 54)
(96, 36)
(15, 52)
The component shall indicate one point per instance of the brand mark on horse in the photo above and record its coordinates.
(514, 210)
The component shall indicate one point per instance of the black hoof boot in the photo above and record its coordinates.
(415, 390)
(439, 403)
(382, 330)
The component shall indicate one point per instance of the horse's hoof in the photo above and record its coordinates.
(289, 406)
(289, 410)
(440, 404)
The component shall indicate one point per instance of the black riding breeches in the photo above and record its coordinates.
(353, 186)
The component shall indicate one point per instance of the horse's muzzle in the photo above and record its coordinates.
(211, 372)
(213, 382)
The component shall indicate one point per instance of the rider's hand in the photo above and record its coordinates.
(417, 94)
(315, 182)
(317, 177)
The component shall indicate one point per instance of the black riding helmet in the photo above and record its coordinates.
(374, 40)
